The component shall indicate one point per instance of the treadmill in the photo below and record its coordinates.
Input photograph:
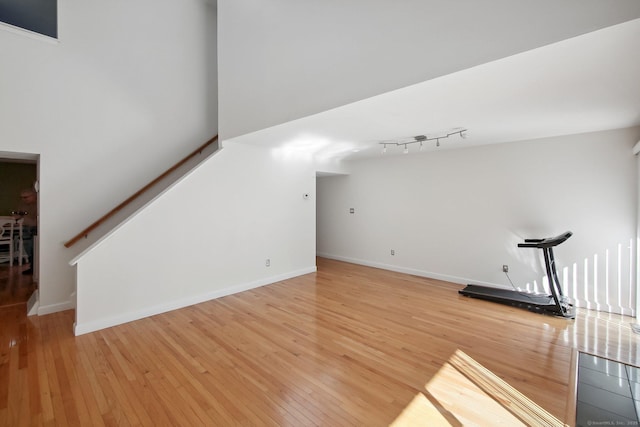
(555, 304)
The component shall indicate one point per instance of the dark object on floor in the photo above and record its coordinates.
(28, 271)
(555, 303)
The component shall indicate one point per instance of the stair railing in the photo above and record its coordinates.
(112, 212)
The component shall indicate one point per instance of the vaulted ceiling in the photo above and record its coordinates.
(336, 79)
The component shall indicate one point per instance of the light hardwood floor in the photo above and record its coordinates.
(348, 345)
(15, 288)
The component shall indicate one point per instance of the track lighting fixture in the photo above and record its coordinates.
(422, 139)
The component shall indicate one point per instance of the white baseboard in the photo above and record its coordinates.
(54, 308)
(108, 322)
(33, 304)
(34, 308)
(407, 270)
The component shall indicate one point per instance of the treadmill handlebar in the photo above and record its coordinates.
(545, 243)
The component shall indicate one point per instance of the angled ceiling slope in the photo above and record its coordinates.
(583, 84)
(283, 60)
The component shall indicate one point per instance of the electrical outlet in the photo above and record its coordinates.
(505, 268)
(267, 262)
(393, 252)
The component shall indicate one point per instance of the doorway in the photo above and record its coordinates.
(18, 172)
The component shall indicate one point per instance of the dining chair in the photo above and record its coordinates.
(18, 245)
(7, 239)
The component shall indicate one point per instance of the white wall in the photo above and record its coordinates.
(208, 236)
(459, 214)
(127, 91)
(283, 60)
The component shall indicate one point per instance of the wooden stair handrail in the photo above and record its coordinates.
(113, 211)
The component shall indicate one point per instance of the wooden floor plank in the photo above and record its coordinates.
(348, 345)
(15, 287)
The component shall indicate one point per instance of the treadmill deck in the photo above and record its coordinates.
(540, 303)
(512, 295)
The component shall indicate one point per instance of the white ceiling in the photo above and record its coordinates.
(583, 84)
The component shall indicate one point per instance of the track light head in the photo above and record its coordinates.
(422, 139)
